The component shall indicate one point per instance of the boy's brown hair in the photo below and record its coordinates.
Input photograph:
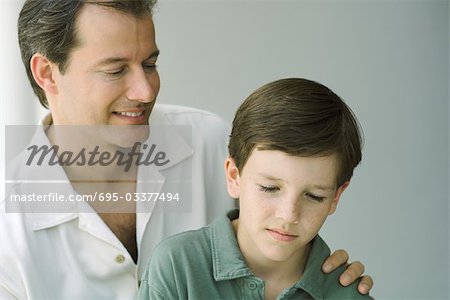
(299, 117)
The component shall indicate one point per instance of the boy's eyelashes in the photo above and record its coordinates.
(315, 197)
(268, 189)
(273, 189)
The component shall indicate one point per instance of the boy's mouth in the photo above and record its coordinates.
(281, 235)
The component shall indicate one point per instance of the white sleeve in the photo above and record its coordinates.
(6, 294)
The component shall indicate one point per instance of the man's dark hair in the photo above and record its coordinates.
(48, 27)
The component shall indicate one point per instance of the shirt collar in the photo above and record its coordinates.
(228, 262)
(27, 180)
(313, 278)
(174, 140)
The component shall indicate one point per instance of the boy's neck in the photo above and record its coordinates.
(276, 274)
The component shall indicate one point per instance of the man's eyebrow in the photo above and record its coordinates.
(153, 55)
(118, 59)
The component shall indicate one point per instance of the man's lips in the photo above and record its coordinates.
(281, 235)
(132, 116)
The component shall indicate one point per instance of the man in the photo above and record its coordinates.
(93, 63)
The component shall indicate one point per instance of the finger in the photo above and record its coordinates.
(353, 272)
(338, 258)
(365, 285)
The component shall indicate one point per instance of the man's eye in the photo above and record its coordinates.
(115, 73)
(149, 67)
(268, 189)
(315, 197)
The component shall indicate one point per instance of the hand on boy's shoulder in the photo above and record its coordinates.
(336, 291)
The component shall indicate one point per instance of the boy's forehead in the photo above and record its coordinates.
(268, 151)
(275, 164)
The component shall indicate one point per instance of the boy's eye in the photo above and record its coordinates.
(315, 197)
(268, 189)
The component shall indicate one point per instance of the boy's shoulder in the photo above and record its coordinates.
(176, 258)
(194, 250)
(187, 241)
(329, 287)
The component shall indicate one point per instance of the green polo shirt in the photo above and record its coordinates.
(207, 264)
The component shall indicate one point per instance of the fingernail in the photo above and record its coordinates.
(327, 268)
(364, 288)
(346, 280)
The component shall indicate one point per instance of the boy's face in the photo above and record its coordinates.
(111, 77)
(284, 200)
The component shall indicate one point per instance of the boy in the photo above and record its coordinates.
(93, 63)
(292, 151)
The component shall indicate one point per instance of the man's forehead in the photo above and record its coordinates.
(104, 25)
(99, 9)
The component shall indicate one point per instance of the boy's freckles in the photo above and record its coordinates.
(284, 200)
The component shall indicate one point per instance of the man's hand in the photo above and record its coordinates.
(353, 272)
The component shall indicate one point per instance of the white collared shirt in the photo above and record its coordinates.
(74, 255)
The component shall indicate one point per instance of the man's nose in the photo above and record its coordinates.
(143, 87)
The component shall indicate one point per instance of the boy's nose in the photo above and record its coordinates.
(288, 211)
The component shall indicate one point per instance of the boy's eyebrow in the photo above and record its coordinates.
(323, 187)
(270, 177)
(118, 59)
(317, 186)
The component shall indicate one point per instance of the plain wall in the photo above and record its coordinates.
(388, 59)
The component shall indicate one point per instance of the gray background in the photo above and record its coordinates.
(388, 59)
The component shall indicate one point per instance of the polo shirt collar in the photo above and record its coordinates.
(313, 278)
(227, 264)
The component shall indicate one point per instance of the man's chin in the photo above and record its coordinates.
(126, 136)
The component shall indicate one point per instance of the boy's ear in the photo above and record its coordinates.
(339, 192)
(43, 71)
(232, 175)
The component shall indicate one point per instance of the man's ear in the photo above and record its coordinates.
(43, 71)
(232, 175)
(335, 201)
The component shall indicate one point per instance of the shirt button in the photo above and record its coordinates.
(120, 258)
(252, 285)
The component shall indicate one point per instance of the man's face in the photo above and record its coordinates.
(111, 77)
(284, 200)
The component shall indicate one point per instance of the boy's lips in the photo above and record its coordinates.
(281, 235)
